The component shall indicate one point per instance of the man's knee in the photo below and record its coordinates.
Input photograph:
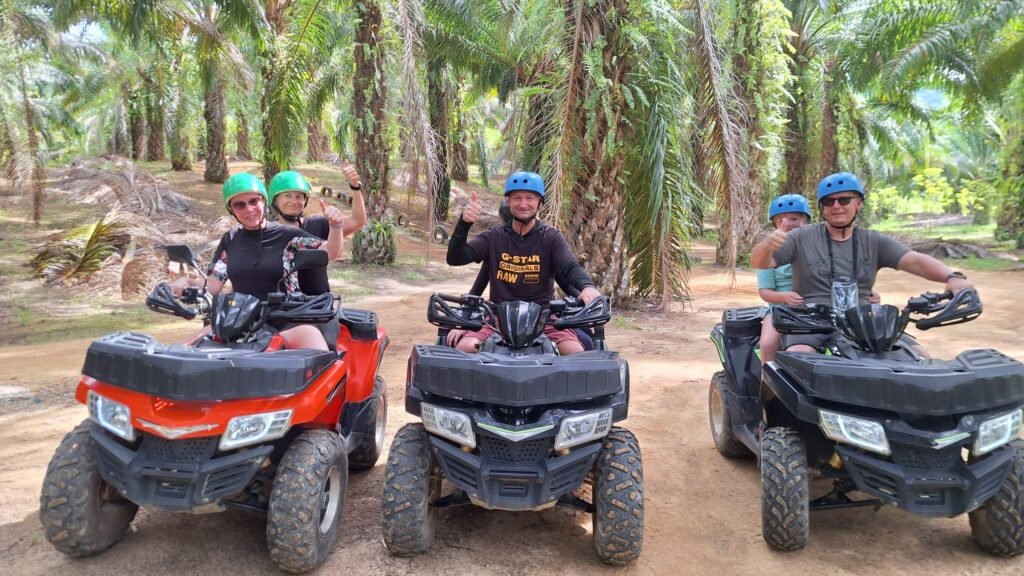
(305, 336)
(567, 347)
(800, 348)
(468, 344)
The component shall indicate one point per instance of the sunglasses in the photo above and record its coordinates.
(845, 200)
(241, 204)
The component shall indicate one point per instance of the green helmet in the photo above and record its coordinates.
(288, 181)
(241, 184)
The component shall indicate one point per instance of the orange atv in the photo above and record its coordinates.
(230, 419)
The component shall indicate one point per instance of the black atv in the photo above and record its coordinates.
(515, 426)
(935, 438)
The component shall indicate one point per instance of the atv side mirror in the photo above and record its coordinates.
(182, 255)
(309, 259)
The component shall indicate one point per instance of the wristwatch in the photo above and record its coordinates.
(959, 275)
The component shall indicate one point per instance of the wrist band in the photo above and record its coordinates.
(356, 187)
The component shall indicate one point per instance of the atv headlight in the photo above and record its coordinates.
(253, 428)
(584, 428)
(866, 434)
(997, 431)
(450, 424)
(111, 415)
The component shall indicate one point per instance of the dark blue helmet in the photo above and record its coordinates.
(839, 182)
(789, 203)
(529, 181)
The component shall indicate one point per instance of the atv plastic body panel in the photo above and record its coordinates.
(176, 475)
(518, 393)
(139, 363)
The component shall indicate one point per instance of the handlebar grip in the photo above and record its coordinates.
(449, 297)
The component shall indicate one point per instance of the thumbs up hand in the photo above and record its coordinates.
(334, 216)
(472, 210)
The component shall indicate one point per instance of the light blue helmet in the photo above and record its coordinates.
(839, 182)
(529, 181)
(789, 203)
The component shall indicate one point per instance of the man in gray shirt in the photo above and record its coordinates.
(825, 252)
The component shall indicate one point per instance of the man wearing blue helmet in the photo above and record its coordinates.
(524, 258)
(836, 251)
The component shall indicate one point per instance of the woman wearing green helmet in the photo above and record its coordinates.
(258, 254)
(289, 194)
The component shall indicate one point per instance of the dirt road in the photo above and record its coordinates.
(702, 511)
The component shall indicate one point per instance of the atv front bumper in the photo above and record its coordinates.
(175, 475)
(516, 476)
(928, 482)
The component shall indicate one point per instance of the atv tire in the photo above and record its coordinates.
(618, 499)
(998, 525)
(365, 455)
(307, 501)
(785, 489)
(721, 422)
(81, 514)
(440, 235)
(412, 479)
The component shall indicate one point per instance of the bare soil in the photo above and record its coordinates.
(702, 511)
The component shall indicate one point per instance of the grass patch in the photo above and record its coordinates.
(974, 233)
(986, 264)
(622, 322)
(128, 317)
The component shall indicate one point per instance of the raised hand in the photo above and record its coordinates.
(334, 216)
(351, 175)
(472, 210)
(775, 239)
(793, 299)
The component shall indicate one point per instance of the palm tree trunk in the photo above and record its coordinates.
(137, 121)
(33, 140)
(369, 97)
(242, 138)
(440, 117)
(214, 111)
(460, 149)
(7, 150)
(316, 142)
(154, 117)
(829, 125)
(797, 138)
(749, 88)
(595, 223)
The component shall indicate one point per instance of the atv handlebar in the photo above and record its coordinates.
(947, 309)
(470, 312)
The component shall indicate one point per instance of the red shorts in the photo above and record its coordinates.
(553, 334)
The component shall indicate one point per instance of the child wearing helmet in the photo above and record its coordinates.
(258, 254)
(775, 285)
(524, 258)
(288, 197)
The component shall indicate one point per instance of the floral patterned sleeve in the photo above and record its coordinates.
(294, 245)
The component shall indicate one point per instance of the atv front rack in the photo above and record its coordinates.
(516, 381)
(139, 363)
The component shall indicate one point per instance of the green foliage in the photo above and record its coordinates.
(976, 199)
(80, 252)
(935, 192)
(885, 202)
(375, 243)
